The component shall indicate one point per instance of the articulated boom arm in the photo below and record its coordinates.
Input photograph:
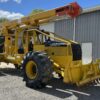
(72, 10)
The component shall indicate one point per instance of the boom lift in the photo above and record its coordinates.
(40, 53)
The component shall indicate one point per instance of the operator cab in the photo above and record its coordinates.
(51, 42)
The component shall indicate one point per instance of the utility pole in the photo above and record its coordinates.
(74, 32)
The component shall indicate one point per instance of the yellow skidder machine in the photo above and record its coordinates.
(40, 53)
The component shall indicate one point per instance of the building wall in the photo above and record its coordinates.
(65, 28)
(87, 30)
(48, 27)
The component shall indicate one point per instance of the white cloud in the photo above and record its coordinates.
(2, 1)
(10, 15)
(18, 1)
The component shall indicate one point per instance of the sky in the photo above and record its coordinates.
(14, 9)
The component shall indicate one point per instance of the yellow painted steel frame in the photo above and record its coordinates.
(10, 53)
(62, 57)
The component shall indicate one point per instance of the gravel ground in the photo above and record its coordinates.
(13, 88)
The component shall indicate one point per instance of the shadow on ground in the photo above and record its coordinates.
(57, 88)
(10, 71)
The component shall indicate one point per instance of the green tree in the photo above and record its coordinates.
(35, 11)
(3, 20)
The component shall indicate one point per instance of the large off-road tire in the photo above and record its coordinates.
(37, 69)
